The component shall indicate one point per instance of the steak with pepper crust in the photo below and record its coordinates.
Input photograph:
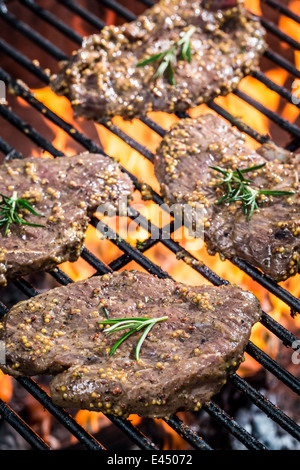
(183, 361)
(102, 79)
(270, 238)
(65, 191)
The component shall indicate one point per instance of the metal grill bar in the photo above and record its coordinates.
(83, 13)
(282, 62)
(187, 434)
(28, 130)
(283, 123)
(8, 150)
(265, 405)
(280, 90)
(233, 427)
(24, 430)
(119, 9)
(272, 28)
(22, 60)
(30, 33)
(83, 436)
(272, 366)
(130, 252)
(53, 20)
(283, 9)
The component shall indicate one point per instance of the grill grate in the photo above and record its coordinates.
(130, 253)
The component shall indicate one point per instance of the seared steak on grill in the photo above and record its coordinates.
(184, 360)
(102, 79)
(270, 238)
(65, 191)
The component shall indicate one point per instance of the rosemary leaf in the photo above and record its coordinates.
(104, 309)
(171, 75)
(277, 193)
(153, 58)
(27, 206)
(142, 338)
(162, 68)
(252, 168)
(117, 344)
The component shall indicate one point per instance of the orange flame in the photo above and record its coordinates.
(6, 387)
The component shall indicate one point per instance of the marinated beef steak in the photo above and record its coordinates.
(65, 191)
(184, 360)
(270, 238)
(102, 79)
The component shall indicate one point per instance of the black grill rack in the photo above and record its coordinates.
(131, 253)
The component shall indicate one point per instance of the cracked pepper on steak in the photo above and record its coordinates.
(102, 79)
(65, 191)
(270, 239)
(183, 362)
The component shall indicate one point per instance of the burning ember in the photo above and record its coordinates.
(142, 168)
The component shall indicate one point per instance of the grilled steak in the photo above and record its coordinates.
(102, 79)
(184, 360)
(65, 191)
(269, 239)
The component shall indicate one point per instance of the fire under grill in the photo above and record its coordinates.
(19, 57)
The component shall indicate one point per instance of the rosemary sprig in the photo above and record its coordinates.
(133, 324)
(168, 58)
(239, 189)
(9, 207)
(140, 244)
